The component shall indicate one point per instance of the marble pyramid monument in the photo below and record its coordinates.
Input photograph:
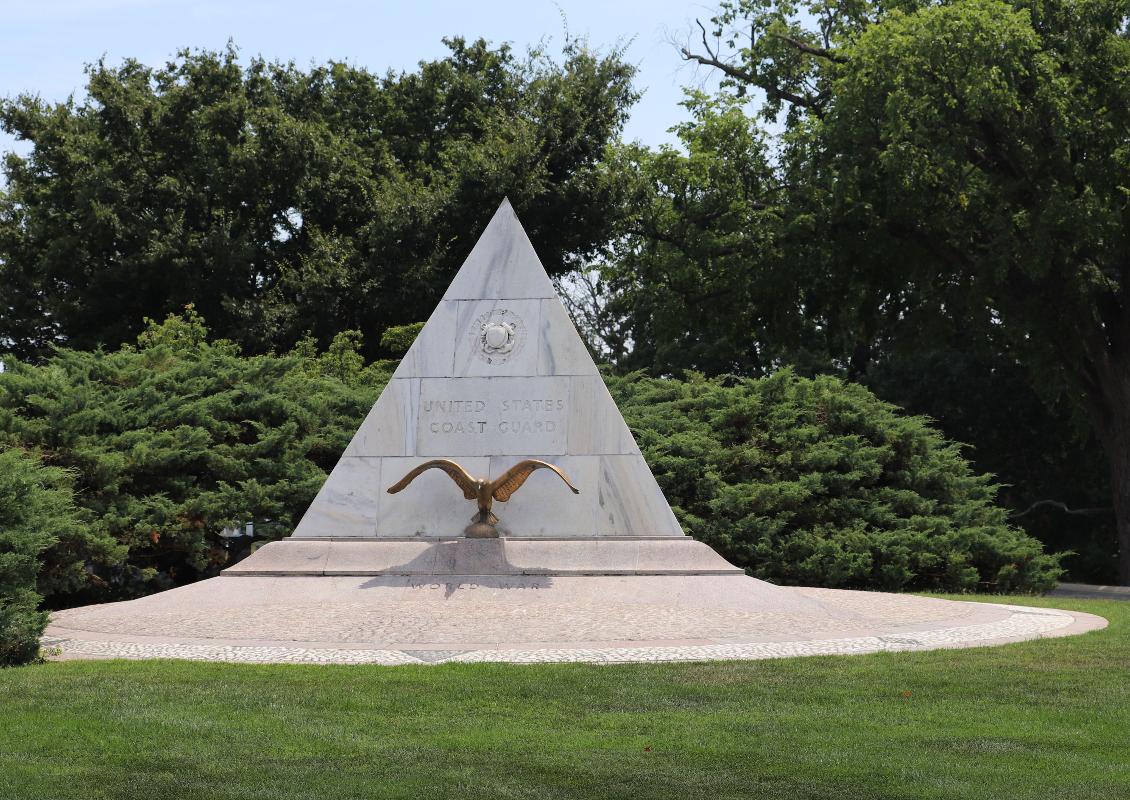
(534, 394)
(498, 374)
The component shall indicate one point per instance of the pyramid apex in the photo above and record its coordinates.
(502, 265)
(505, 213)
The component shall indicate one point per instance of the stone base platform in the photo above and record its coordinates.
(416, 556)
(412, 618)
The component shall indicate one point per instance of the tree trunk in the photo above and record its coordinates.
(1112, 421)
(1119, 454)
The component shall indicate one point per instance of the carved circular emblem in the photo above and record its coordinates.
(500, 334)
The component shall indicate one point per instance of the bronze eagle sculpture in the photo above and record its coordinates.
(484, 491)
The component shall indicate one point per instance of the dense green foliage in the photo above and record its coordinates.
(947, 182)
(715, 273)
(1052, 471)
(800, 481)
(816, 482)
(1026, 721)
(37, 516)
(690, 283)
(939, 214)
(282, 201)
(1000, 170)
(177, 438)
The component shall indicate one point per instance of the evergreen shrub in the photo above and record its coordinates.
(818, 482)
(37, 512)
(177, 438)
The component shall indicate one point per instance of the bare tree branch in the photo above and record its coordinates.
(819, 52)
(1083, 512)
(813, 103)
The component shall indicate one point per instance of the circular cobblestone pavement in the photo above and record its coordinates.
(343, 621)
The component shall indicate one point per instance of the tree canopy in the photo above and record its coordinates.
(283, 201)
(928, 198)
(943, 179)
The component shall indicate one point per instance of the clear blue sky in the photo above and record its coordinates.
(45, 43)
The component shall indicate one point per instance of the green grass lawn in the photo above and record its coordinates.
(1045, 719)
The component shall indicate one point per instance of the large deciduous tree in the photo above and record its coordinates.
(964, 162)
(280, 200)
(694, 277)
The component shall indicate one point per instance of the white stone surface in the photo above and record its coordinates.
(534, 393)
(631, 502)
(544, 506)
(502, 264)
(532, 619)
(561, 351)
(347, 502)
(593, 428)
(432, 354)
(294, 557)
(504, 556)
(493, 416)
(390, 427)
(357, 558)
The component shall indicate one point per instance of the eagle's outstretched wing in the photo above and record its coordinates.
(457, 473)
(514, 477)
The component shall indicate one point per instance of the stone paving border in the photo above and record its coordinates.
(1024, 623)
